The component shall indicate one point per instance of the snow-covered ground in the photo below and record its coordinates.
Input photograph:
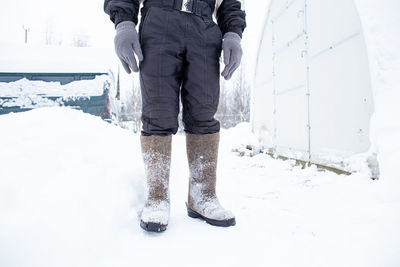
(71, 188)
(71, 185)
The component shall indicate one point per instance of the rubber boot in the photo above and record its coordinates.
(156, 151)
(202, 152)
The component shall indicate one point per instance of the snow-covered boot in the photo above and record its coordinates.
(202, 152)
(156, 151)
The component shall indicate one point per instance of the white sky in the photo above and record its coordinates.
(84, 17)
(67, 17)
(256, 12)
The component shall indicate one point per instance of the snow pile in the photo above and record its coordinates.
(71, 189)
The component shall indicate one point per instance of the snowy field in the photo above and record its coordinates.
(71, 189)
(71, 185)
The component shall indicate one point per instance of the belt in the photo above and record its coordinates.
(196, 7)
(190, 6)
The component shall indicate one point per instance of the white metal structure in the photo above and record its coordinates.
(312, 97)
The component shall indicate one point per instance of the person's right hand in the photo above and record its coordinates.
(127, 44)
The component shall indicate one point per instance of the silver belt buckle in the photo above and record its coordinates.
(186, 5)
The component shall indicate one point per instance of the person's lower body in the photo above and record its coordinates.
(181, 60)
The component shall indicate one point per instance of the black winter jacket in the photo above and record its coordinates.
(230, 17)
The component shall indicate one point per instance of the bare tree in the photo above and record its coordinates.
(234, 104)
(81, 40)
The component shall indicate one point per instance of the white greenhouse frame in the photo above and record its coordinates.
(312, 97)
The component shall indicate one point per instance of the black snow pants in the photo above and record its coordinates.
(181, 60)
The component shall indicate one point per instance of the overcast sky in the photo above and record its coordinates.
(65, 17)
(70, 17)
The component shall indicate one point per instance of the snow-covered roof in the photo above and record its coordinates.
(24, 87)
(55, 59)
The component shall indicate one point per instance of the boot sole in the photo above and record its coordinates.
(153, 227)
(221, 223)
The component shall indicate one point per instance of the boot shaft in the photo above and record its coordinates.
(202, 153)
(156, 152)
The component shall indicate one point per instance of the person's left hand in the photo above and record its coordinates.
(232, 53)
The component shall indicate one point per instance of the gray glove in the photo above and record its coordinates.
(232, 53)
(126, 43)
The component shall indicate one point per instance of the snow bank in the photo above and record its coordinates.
(67, 193)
